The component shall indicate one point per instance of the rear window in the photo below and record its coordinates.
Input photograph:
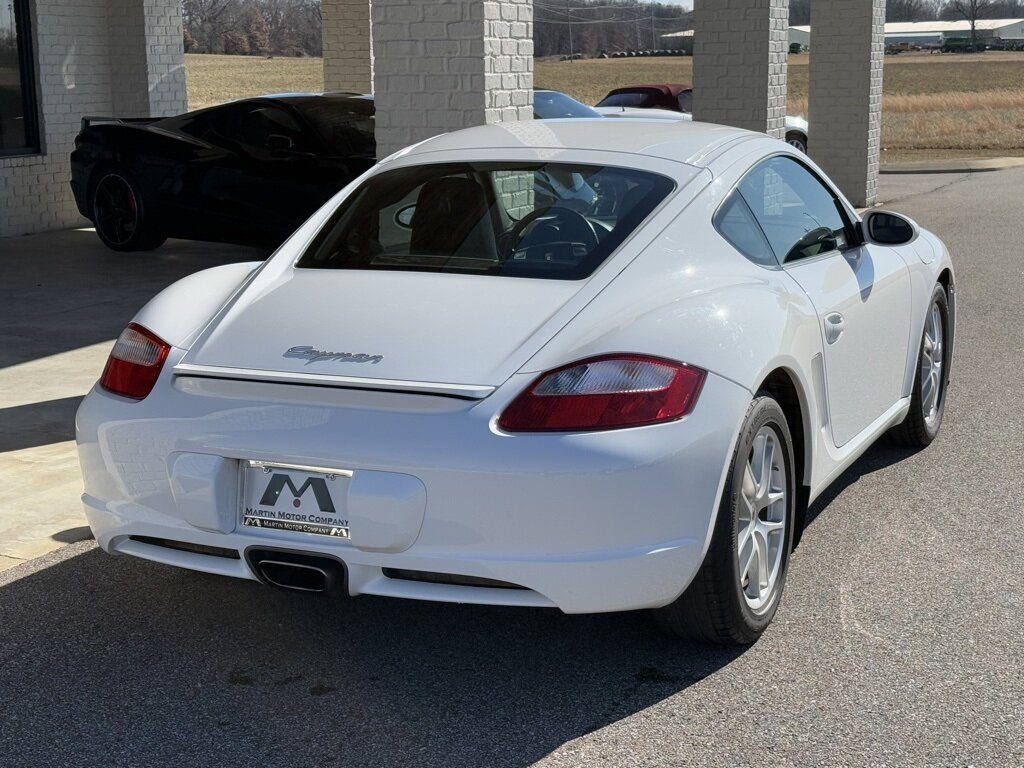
(345, 125)
(540, 220)
(629, 99)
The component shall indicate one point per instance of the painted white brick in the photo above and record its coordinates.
(845, 99)
(473, 59)
(739, 63)
(346, 35)
(94, 57)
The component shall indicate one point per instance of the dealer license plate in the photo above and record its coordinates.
(289, 497)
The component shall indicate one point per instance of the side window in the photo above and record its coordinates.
(797, 213)
(736, 223)
(270, 128)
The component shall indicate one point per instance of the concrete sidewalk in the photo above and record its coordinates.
(953, 165)
(65, 297)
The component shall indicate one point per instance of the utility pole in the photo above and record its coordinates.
(654, 44)
(568, 16)
(636, 21)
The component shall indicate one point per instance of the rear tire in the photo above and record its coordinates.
(797, 140)
(119, 212)
(928, 397)
(752, 540)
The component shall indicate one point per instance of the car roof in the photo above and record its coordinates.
(686, 142)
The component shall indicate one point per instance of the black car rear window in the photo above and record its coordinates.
(346, 126)
(638, 98)
(541, 220)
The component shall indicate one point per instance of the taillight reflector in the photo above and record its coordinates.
(610, 392)
(134, 363)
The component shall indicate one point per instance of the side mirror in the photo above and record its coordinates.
(403, 217)
(887, 228)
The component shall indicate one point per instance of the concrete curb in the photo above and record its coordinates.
(968, 165)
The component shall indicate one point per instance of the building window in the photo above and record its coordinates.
(19, 132)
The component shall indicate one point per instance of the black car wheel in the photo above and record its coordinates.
(798, 140)
(119, 213)
(928, 399)
(737, 590)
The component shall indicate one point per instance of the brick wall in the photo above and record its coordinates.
(845, 100)
(441, 65)
(739, 63)
(94, 57)
(348, 55)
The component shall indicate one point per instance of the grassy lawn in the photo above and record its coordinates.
(935, 105)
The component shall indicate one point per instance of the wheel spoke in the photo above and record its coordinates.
(927, 384)
(761, 518)
(762, 564)
(748, 564)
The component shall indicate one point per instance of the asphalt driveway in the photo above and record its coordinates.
(897, 642)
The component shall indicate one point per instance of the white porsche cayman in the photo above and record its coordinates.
(593, 365)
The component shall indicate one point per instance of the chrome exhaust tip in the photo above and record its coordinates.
(295, 571)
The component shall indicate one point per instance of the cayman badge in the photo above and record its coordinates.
(313, 355)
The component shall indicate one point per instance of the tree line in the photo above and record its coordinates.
(927, 10)
(292, 27)
(252, 27)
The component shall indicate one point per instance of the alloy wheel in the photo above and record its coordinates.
(116, 209)
(931, 367)
(761, 520)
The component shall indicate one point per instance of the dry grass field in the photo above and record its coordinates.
(934, 105)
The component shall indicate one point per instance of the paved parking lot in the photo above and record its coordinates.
(897, 643)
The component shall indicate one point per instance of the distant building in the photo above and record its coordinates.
(934, 33)
(801, 36)
(682, 41)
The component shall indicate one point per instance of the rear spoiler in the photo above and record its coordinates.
(93, 119)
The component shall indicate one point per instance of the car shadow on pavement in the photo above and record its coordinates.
(878, 456)
(111, 660)
(36, 424)
(65, 290)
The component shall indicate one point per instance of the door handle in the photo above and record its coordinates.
(834, 326)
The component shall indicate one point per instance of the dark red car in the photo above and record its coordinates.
(678, 97)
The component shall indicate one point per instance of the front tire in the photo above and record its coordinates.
(928, 398)
(737, 590)
(119, 213)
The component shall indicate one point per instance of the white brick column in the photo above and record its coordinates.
(740, 50)
(348, 56)
(845, 101)
(147, 58)
(441, 65)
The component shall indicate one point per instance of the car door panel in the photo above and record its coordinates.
(861, 293)
(868, 287)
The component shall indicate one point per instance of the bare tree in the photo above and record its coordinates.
(972, 10)
(799, 12)
(909, 10)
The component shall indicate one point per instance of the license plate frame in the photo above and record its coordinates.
(317, 496)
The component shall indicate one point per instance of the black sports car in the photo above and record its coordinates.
(249, 171)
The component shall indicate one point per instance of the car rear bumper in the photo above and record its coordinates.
(79, 185)
(595, 522)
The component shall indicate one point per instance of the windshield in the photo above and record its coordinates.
(541, 220)
(551, 105)
(628, 99)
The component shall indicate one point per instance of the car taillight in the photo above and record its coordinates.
(134, 363)
(609, 392)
